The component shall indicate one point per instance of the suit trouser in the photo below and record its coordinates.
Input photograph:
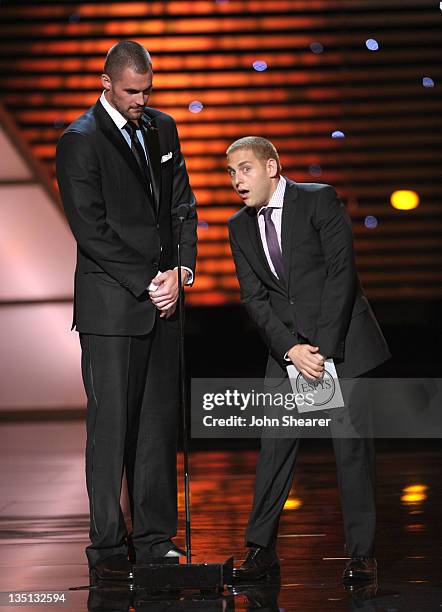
(355, 463)
(132, 388)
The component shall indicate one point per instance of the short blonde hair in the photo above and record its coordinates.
(261, 147)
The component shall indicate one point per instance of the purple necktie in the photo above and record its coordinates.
(272, 242)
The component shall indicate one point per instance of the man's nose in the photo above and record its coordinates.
(139, 99)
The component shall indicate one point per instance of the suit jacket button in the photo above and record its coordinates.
(292, 301)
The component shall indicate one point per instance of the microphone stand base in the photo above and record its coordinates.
(159, 576)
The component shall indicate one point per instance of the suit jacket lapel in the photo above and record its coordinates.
(152, 142)
(255, 238)
(288, 225)
(114, 135)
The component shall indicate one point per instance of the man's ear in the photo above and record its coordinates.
(106, 82)
(272, 168)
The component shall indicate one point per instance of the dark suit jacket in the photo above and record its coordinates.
(124, 233)
(322, 301)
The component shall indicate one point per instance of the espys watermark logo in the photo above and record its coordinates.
(323, 389)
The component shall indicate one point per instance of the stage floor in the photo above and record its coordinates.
(44, 526)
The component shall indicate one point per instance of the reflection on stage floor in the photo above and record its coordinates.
(44, 525)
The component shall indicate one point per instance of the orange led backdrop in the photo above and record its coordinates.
(293, 71)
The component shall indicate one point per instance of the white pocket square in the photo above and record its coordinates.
(166, 157)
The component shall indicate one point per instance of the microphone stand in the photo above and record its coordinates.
(167, 574)
(183, 396)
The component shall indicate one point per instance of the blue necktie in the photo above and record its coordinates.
(272, 242)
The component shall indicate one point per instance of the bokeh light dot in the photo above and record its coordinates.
(372, 44)
(260, 65)
(338, 134)
(427, 82)
(404, 199)
(370, 222)
(196, 106)
(316, 47)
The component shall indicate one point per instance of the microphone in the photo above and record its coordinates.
(182, 212)
(147, 122)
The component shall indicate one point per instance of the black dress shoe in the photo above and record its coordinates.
(116, 567)
(360, 568)
(164, 552)
(259, 563)
(175, 551)
(166, 549)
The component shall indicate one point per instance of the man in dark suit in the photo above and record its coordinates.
(122, 178)
(293, 250)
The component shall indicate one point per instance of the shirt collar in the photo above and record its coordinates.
(277, 199)
(115, 115)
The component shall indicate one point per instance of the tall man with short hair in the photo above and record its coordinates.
(122, 178)
(293, 250)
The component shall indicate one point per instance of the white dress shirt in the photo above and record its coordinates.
(120, 122)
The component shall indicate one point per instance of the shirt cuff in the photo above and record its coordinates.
(189, 280)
